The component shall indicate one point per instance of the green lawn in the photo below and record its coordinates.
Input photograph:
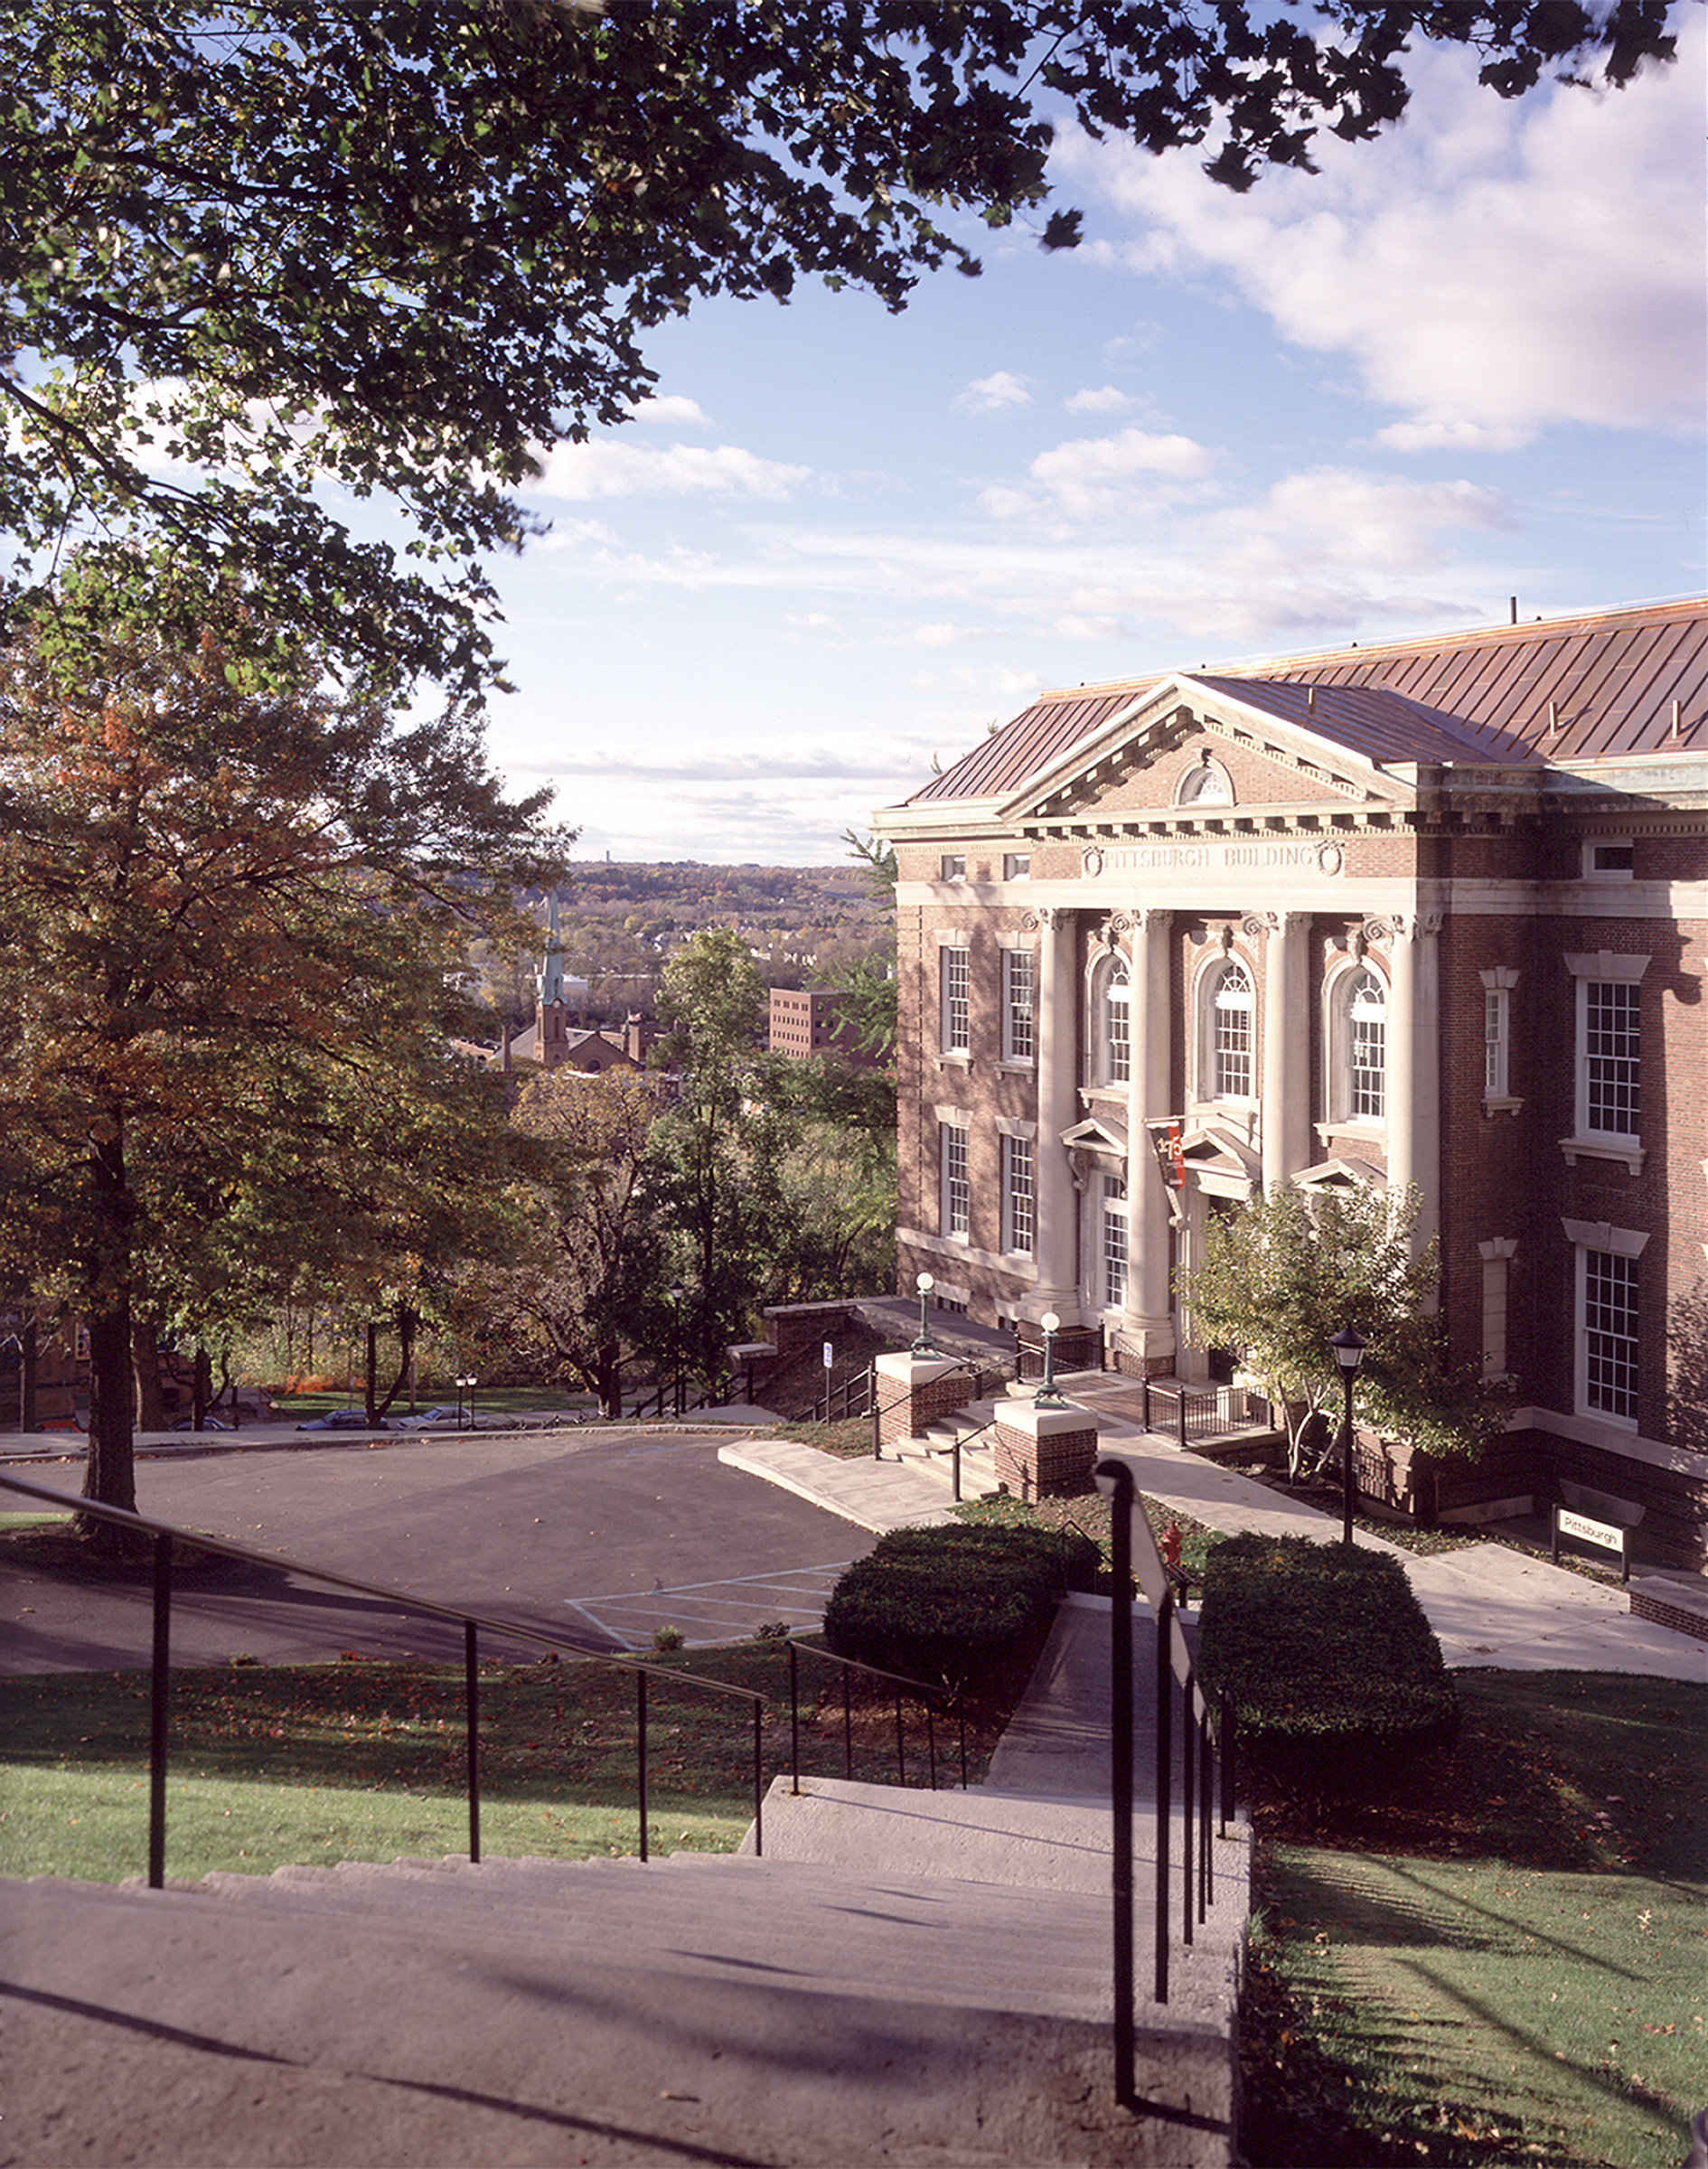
(1503, 1957)
(365, 1761)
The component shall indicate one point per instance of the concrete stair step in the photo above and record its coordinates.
(826, 1931)
(236, 2034)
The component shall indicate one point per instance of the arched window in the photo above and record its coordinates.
(1115, 1008)
(1231, 1034)
(1367, 1047)
(1206, 784)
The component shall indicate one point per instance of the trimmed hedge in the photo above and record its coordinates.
(1326, 1658)
(956, 1606)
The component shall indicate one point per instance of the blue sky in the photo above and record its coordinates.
(1463, 363)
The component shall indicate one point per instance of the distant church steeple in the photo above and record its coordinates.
(552, 1015)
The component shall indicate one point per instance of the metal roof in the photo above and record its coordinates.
(1590, 687)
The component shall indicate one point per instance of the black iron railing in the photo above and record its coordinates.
(1077, 1348)
(1135, 1556)
(164, 1538)
(935, 1701)
(1207, 1412)
(844, 1399)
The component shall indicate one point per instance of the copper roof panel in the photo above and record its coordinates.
(1610, 676)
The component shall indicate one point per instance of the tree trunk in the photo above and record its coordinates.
(111, 1474)
(144, 1355)
(369, 1410)
(202, 1390)
(29, 1358)
(609, 1372)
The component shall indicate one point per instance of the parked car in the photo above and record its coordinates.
(344, 1419)
(448, 1418)
(208, 1423)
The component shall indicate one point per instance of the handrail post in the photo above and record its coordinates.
(159, 1713)
(1228, 1797)
(472, 1698)
(1121, 1748)
(901, 1743)
(848, 1722)
(1179, 1410)
(1207, 1779)
(795, 1720)
(759, 1780)
(957, 1468)
(640, 1742)
(1188, 1809)
(1165, 1756)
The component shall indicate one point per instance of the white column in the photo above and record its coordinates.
(1413, 1066)
(1149, 1323)
(1286, 1113)
(1057, 1106)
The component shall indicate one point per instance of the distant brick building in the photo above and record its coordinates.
(1433, 912)
(813, 1022)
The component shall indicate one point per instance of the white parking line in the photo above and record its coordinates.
(708, 1612)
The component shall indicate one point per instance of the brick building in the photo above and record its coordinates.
(1433, 912)
(809, 1021)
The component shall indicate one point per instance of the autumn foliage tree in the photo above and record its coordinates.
(229, 920)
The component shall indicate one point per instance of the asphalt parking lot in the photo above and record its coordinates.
(593, 1540)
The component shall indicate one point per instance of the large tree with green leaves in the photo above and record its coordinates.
(1284, 1272)
(583, 1286)
(228, 924)
(406, 246)
(720, 1147)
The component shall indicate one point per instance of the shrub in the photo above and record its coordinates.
(666, 1639)
(956, 1606)
(1325, 1659)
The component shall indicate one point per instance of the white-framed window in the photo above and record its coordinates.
(1019, 1196)
(1497, 985)
(954, 966)
(957, 1182)
(1608, 1318)
(1114, 1015)
(1112, 1241)
(1497, 1041)
(954, 865)
(1609, 1323)
(1019, 1025)
(1363, 1002)
(1232, 1038)
(1017, 866)
(1610, 859)
(1610, 1057)
(1608, 1087)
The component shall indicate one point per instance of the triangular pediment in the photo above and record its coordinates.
(1189, 749)
(1098, 1133)
(1223, 1163)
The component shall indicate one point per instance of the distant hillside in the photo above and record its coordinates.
(618, 923)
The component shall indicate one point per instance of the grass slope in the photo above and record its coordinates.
(365, 1761)
(1500, 1957)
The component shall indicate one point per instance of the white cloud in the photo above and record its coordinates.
(1001, 394)
(940, 635)
(1089, 478)
(613, 468)
(1090, 628)
(1108, 400)
(1488, 265)
(671, 410)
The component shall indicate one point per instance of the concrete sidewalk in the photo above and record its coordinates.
(1489, 1604)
